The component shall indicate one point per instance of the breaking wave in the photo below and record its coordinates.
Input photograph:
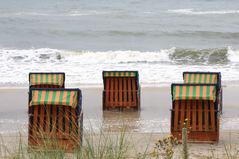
(73, 13)
(198, 12)
(172, 55)
(86, 66)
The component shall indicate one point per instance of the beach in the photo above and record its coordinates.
(159, 39)
(144, 127)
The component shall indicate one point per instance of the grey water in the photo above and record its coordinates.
(101, 25)
(159, 38)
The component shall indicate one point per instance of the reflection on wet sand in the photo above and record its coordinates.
(154, 116)
(117, 121)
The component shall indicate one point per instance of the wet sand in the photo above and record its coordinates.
(154, 116)
(146, 126)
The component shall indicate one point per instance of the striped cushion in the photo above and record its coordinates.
(191, 92)
(201, 78)
(120, 74)
(46, 78)
(54, 97)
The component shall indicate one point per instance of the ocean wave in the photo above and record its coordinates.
(114, 57)
(126, 33)
(85, 67)
(198, 12)
(205, 34)
(85, 13)
(233, 55)
(172, 55)
(19, 14)
(31, 55)
(203, 56)
(73, 13)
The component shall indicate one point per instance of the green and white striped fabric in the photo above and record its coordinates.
(120, 74)
(46, 78)
(200, 78)
(191, 92)
(54, 97)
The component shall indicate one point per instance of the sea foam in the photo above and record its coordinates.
(199, 12)
(85, 67)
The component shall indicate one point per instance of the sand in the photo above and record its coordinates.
(145, 127)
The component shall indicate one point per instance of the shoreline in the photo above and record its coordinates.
(153, 117)
(100, 85)
(144, 128)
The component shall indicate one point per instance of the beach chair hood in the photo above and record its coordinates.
(202, 77)
(194, 92)
(135, 74)
(66, 97)
(47, 79)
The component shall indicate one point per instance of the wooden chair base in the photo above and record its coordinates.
(121, 93)
(199, 137)
(60, 130)
(120, 104)
(202, 120)
(51, 144)
(120, 108)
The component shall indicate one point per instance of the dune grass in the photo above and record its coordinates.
(107, 145)
(100, 145)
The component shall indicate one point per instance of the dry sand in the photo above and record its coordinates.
(145, 127)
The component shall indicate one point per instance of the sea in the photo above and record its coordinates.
(159, 38)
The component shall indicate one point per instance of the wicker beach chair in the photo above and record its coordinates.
(46, 80)
(121, 90)
(206, 78)
(55, 119)
(198, 104)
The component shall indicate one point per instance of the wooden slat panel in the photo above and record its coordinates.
(30, 124)
(107, 88)
(182, 112)
(47, 123)
(60, 121)
(80, 134)
(74, 123)
(188, 104)
(194, 117)
(129, 92)
(200, 123)
(42, 115)
(111, 92)
(54, 119)
(70, 121)
(35, 120)
(120, 92)
(67, 121)
(134, 91)
(212, 115)
(125, 92)
(176, 112)
(116, 89)
(206, 115)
